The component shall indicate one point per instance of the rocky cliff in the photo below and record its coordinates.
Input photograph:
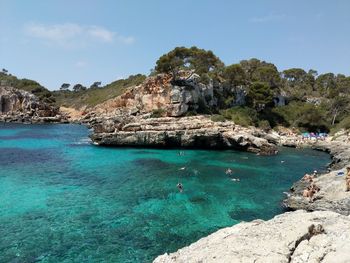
(162, 94)
(299, 236)
(153, 114)
(21, 106)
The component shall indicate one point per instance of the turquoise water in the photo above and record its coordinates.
(64, 200)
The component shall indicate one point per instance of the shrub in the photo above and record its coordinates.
(241, 115)
(158, 113)
(304, 115)
(218, 118)
(265, 125)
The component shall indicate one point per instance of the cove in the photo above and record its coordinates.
(65, 200)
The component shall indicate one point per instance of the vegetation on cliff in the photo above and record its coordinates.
(32, 86)
(94, 95)
(251, 92)
(292, 97)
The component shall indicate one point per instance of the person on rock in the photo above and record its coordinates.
(308, 178)
(309, 193)
(347, 179)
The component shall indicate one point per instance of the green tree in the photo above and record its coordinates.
(326, 83)
(95, 85)
(64, 86)
(261, 71)
(79, 87)
(234, 75)
(200, 60)
(259, 95)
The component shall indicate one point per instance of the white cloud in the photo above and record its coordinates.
(100, 33)
(269, 18)
(81, 64)
(71, 35)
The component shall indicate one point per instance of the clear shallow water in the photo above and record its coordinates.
(64, 200)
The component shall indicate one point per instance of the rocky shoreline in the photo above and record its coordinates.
(332, 195)
(185, 132)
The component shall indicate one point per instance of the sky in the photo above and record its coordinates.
(83, 41)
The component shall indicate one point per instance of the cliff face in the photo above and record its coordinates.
(160, 93)
(299, 236)
(21, 106)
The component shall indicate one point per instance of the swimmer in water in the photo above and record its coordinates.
(229, 171)
(180, 187)
(235, 179)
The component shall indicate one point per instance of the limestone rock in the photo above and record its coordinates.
(21, 106)
(196, 131)
(332, 195)
(160, 92)
(296, 237)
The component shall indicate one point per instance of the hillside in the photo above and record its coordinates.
(93, 96)
(27, 85)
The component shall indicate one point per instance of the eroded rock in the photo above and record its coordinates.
(21, 106)
(192, 132)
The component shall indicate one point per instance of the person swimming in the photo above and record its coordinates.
(180, 187)
(229, 171)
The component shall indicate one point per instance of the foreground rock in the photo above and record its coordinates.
(21, 106)
(332, 195)
(195, 131)
(291, 237)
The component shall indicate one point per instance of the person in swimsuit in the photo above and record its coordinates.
(180, 187)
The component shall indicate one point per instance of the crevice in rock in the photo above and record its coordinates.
(312, 231)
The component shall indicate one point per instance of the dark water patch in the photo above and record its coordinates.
(241, 214)
(143, 152)
(20, 156)
(27, 134)
(151, 163)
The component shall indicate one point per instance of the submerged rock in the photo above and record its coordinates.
(291, 237)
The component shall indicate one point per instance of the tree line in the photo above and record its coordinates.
(292, 97)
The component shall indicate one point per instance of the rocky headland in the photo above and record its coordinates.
(158, 112)
(24, 107)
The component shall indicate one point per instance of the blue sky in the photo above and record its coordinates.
(82, 41)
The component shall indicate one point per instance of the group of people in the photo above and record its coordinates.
(312, 189)
(314, 136)
(228, 171)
